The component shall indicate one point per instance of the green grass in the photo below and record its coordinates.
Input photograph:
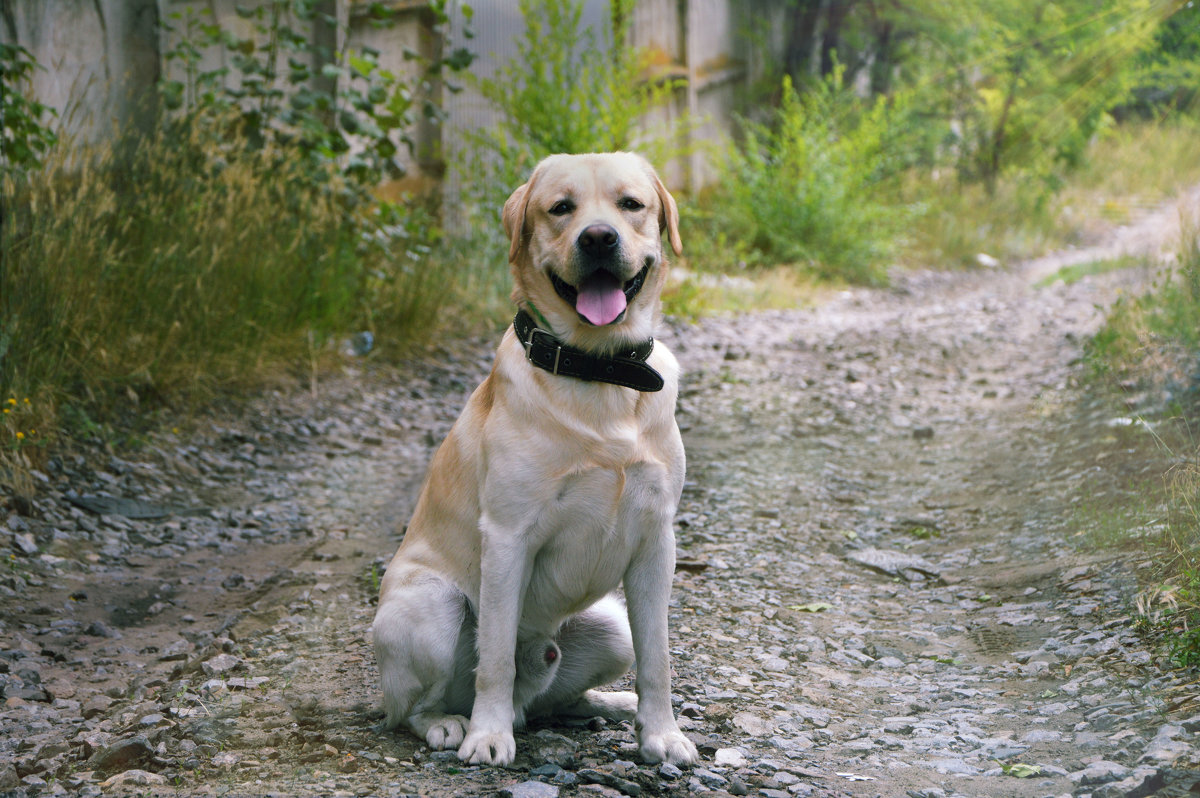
(1146, 340)
(195, 266)
(1170, 604)
(1131, 167)
(1076, 272)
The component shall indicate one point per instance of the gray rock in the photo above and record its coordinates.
(893, 563)
(221, 664)
(709, 778)
(135, 777)
(1101, 772)
(122, 755)
(948, 767)
(1166, 747)
(623, 786)
(669, 771)
(530, 789)
(729, 757)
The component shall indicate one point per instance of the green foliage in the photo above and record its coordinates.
(1170, 608)
(24, 136)
(567, 90)
(239, 239)
(1078, 271)
(307, 99)
(1168, 315)
(811, 188)
(1142, 338)
(189, 269)
(1025, 85)
(1168, 72)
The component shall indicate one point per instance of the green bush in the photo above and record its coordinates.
(813, 187)
(567, 90)
(196, 263)
(1167, 317)
(238, 240)
(24, 136)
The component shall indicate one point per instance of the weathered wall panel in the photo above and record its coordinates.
(103, 58)
(99, 57)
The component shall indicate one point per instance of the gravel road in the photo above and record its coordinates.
(882, 589)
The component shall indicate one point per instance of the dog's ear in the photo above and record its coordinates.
(668, 214)
(514, 219)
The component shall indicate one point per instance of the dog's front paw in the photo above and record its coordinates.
(669, 746)
(488, 748)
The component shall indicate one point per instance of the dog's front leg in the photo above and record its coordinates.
(504, 569)
(647, 593)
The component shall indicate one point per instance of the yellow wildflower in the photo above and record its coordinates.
(12, 400)
(20, 436)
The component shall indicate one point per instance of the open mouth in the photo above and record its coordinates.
(600, 299)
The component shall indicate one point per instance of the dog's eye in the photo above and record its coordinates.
(630, 204)
(562, 208)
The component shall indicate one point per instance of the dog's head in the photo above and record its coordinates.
(586, 247)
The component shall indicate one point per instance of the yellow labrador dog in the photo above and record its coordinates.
(557, 484)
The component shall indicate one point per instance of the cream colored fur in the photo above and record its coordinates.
(547, 496)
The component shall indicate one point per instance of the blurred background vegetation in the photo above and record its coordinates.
(245, 237)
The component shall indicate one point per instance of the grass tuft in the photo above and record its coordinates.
(1075, 272)
(1153, 339)
(194, 264)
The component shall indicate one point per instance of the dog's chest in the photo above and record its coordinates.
(590, 532)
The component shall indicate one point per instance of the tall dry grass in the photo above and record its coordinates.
(193, 263)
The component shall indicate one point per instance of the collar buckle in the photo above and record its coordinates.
(549, 342)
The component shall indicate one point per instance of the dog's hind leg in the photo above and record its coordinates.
(417, 632)
(596, 648)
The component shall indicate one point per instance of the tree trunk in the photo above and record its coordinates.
(324, 52)
(835, 17)
(798, 52)
(885, 50)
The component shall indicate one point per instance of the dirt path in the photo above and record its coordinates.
(879, 592)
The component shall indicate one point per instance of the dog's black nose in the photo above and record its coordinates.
(598, 240)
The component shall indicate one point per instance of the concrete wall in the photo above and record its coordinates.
(718, 47)
(99, 58)
(103, 58)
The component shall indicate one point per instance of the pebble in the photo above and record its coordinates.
(122, 755)
(729, 757)
(134, 778)
(1100, 772)
(530, 789)
(221, 664)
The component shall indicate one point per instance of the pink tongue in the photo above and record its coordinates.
(600, 299)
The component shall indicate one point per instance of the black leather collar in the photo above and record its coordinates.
(545, 351)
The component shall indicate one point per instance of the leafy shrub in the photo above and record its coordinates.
(305, 98)
(24, 136)
(812, 187)
(567, 90)
(239, 238)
